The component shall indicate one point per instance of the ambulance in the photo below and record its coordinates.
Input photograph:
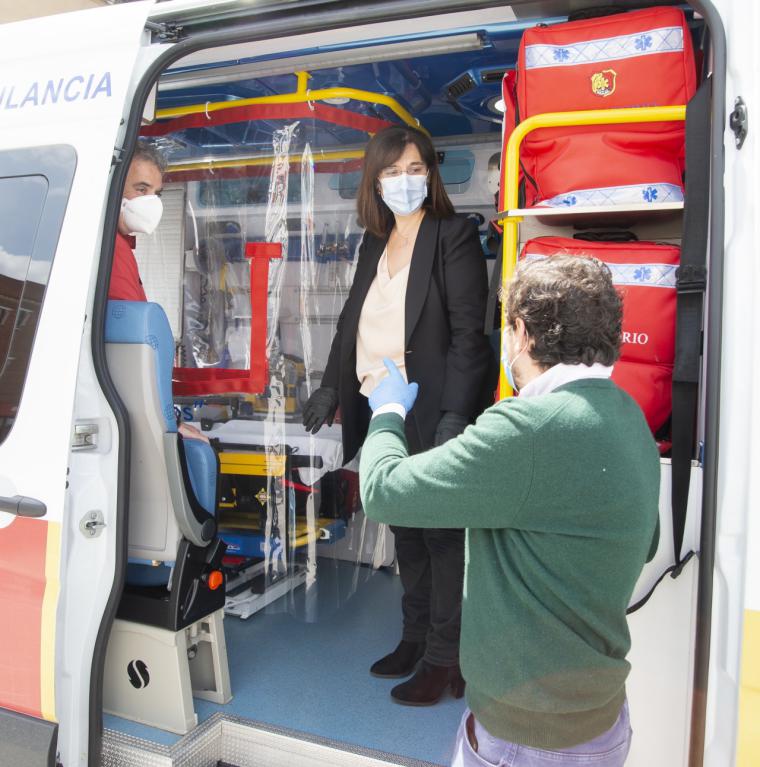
(159, 607)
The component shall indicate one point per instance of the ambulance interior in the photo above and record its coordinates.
(251, 264)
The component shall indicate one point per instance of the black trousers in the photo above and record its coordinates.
(431, 565)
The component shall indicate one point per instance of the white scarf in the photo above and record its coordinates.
(561, 374)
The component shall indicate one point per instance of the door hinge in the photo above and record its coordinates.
(92, 524)
(85, 436)
(738, 121)
(166, 32)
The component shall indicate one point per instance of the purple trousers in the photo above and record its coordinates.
(476, 747)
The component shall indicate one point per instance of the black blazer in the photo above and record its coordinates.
(447, 353)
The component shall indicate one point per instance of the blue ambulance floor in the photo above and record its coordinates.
(303, 664)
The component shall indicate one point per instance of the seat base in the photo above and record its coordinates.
(152, 674)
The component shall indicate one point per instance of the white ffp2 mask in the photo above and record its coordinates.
(142, 214)
(404, 194)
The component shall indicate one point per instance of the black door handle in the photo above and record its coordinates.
(22, 506)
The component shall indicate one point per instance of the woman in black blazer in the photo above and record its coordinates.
(410, 222)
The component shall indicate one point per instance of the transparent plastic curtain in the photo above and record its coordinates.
(288, 509)
(284, 557)
(307, 280)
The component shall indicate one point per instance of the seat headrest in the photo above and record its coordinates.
(143, 322)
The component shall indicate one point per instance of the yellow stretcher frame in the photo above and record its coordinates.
(511, 175)
(301, 533)
(252, 464)
(255, 464)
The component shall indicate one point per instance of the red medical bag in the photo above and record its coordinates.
(634, 59)
(645, 275)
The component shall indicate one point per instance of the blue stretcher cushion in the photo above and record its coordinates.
(143, 322)
(202, 468)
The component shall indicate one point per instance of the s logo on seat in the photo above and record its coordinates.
(138, 674)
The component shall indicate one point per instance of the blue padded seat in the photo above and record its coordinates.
(140, 322)
(143, 322)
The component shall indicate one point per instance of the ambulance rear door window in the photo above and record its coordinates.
(34, 187)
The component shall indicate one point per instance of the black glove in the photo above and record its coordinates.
(449, 426)
(320, 407)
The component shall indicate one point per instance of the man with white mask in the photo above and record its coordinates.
(141, 211)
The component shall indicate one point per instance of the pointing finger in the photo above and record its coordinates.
(393, 370)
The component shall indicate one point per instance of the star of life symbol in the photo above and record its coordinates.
(262, 497)
(603, 83)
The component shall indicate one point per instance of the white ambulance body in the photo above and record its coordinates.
(74, 92)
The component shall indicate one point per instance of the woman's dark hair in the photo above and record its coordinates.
(570, 308)
(383, 149)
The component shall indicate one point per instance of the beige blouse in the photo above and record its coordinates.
(381, 326)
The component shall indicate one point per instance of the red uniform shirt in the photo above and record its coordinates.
(126, 284)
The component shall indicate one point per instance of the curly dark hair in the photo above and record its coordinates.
(570, 308)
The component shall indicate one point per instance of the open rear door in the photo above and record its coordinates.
(65, 84)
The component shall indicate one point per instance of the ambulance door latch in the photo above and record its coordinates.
(92, 524)
(85, 436)
(739, 121)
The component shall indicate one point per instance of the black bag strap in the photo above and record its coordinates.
(493, 295)
(691, 282)
(670, 571)
(610, 235)
(595, 13)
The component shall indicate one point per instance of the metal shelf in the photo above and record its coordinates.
(598, 215)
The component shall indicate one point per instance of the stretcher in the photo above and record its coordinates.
(267, 517)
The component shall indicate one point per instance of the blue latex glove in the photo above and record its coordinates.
(393, 389)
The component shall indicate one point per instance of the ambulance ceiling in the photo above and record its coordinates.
(450, 82)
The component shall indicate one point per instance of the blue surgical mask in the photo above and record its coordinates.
(509, 364)
(404, 194)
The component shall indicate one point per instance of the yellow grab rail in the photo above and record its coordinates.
(511, 174)
(243, 162)
(300, 95)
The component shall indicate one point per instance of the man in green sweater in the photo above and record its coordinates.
(558, 490)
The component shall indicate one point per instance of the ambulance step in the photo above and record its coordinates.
(232, 741)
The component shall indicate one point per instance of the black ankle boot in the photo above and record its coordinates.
(400, 662)
(428, 685)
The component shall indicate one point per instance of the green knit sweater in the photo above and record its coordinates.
(559, 495)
